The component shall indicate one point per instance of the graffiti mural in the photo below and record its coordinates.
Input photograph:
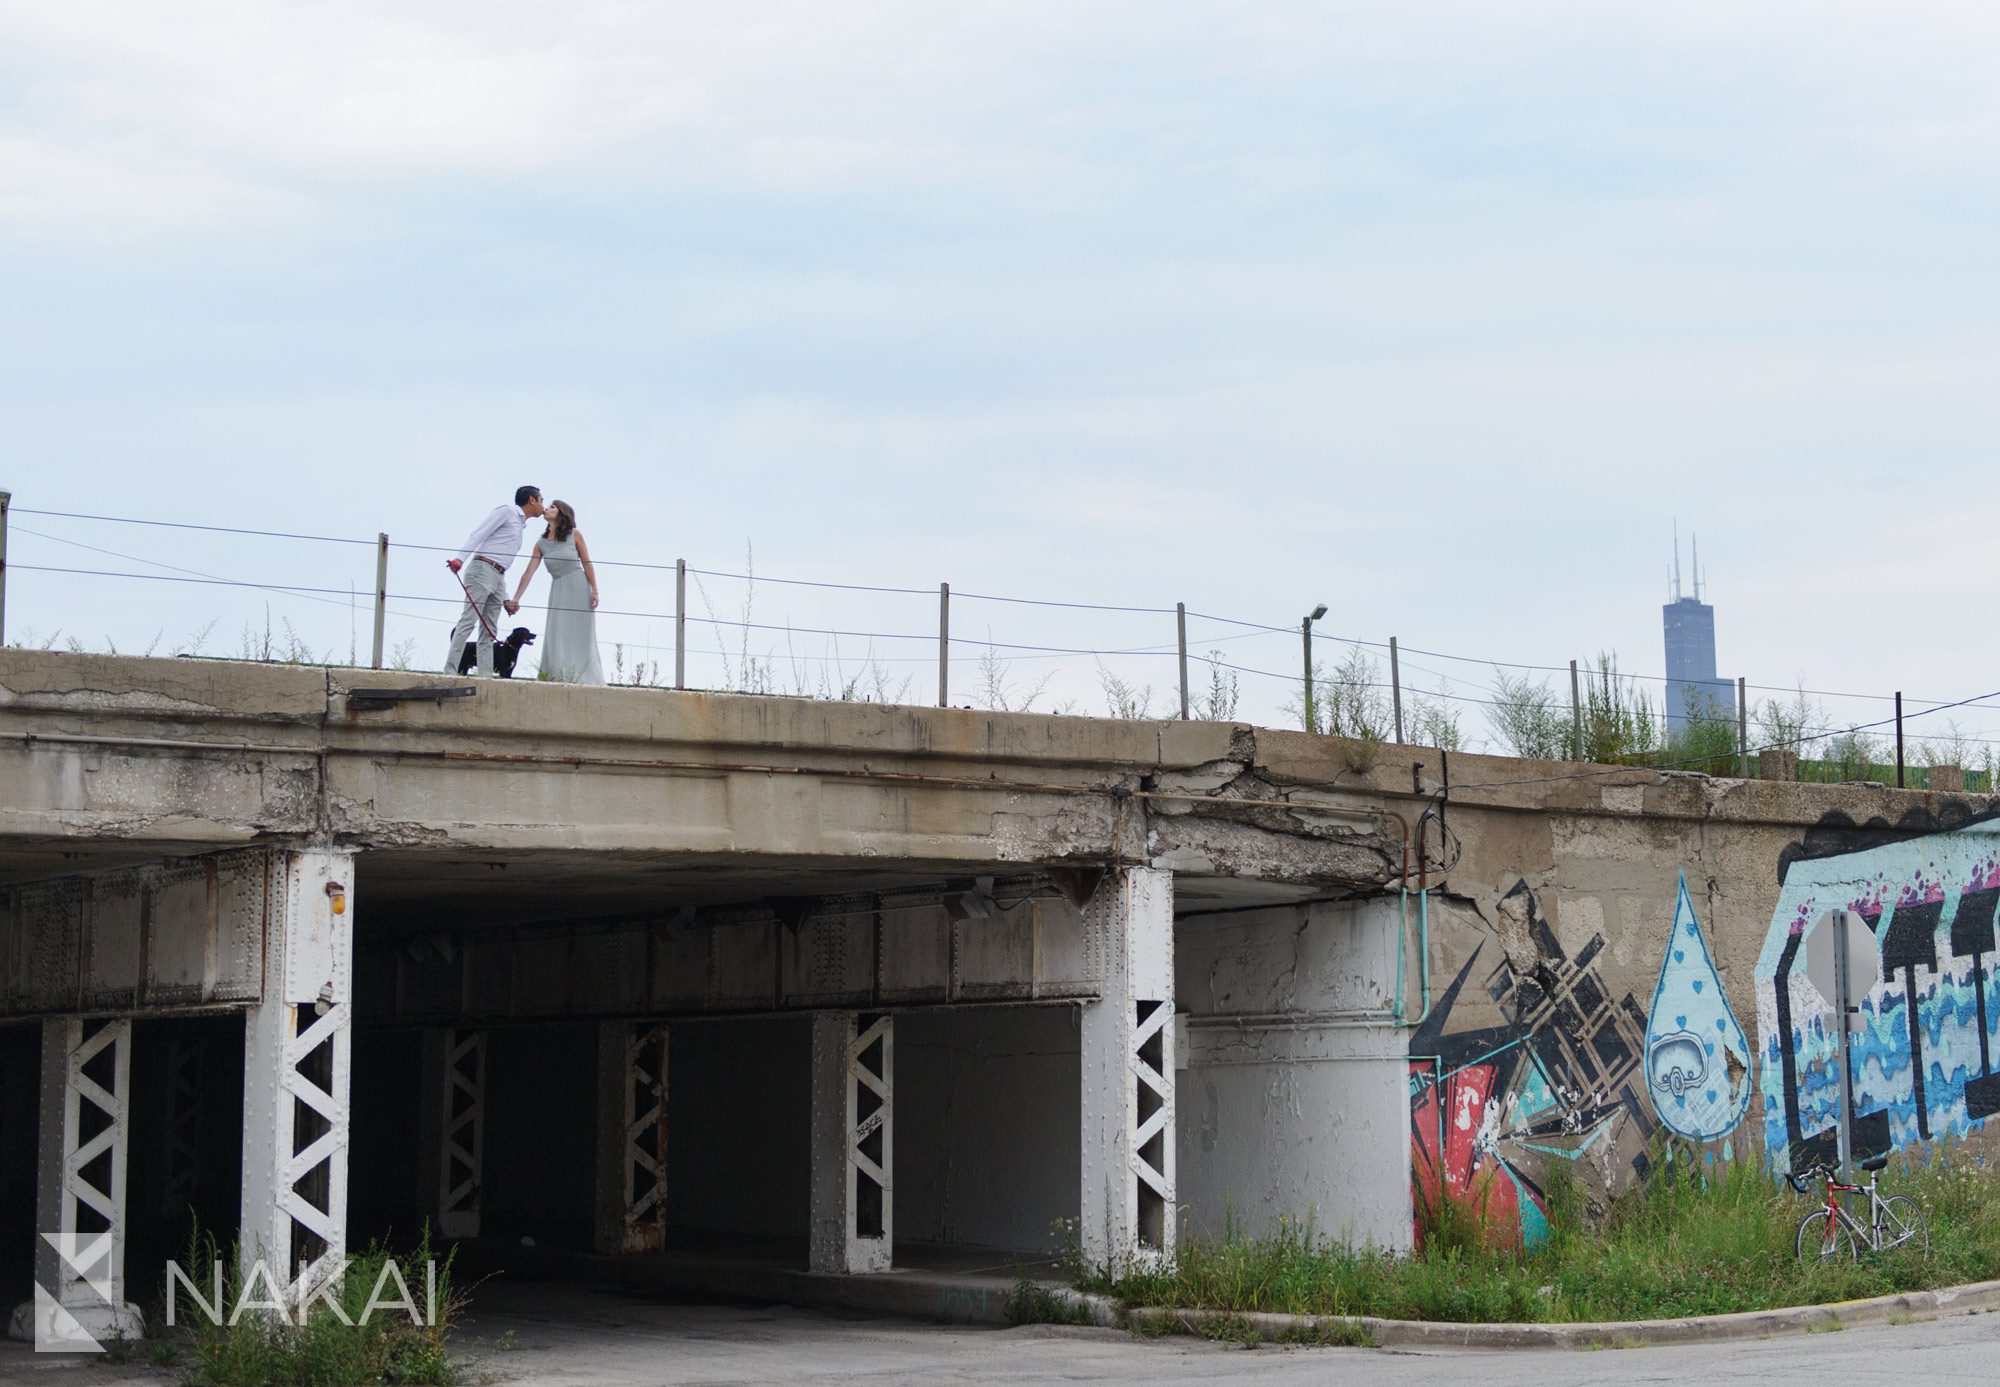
(1924, 1036)
(1697, 1055)
(1554, 1078)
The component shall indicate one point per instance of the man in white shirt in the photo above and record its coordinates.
(492, 547)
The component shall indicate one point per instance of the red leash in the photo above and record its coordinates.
(472, 604)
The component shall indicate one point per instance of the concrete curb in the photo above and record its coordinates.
(1750, 1324)
(960, 1298)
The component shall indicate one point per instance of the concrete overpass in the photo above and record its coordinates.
(315, 954)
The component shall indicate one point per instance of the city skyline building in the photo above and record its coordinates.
(1693, 690)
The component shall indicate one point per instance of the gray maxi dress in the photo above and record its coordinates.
(569, 642)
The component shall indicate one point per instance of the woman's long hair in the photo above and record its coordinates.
(562, 521)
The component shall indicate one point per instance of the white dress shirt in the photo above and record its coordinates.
(498, 537)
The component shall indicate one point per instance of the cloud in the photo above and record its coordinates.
(118, 189)
(219, 102)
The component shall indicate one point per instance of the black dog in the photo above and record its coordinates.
(505, 653)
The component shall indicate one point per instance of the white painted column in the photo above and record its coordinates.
(295, 1075)
(853, 1142)
(80, 1225)
(1128, 1213)
(632, 1137)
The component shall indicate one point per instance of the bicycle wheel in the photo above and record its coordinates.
(1904, 1224)
(1822, 1236)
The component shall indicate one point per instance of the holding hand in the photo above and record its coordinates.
(453, 564)
(510, 606)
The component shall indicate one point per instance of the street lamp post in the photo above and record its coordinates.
(1306, 631)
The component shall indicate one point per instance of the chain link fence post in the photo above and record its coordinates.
(381, 596)
(6, 499)
(680, 623)
(1396, 688)
(1743, 727)
(1180, 623)
(944, 645)
(1575, 716)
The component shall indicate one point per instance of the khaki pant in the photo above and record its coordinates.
(488, 587)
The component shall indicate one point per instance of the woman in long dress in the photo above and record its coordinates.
(569, 643)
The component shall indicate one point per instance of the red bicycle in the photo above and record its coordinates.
(1832, 1231)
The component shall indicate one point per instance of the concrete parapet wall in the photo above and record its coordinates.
(179, 756)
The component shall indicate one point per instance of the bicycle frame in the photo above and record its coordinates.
(1870, 1232)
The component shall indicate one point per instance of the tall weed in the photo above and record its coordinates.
(1694, 1237)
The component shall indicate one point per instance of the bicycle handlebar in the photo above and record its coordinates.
(1799, 1179)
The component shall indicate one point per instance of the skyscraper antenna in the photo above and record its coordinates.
(1677, 558)
(1695, 563)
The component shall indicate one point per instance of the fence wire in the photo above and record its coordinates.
(1345, 690)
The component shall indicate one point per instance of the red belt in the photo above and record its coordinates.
(481, 558)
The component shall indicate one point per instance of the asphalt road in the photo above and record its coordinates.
(575, 1336)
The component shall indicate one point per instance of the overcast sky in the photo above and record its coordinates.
(1436, 313)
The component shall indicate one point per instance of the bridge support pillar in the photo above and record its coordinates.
(295, 1076)
(80, 1206)
(455, 1124)
(1128, 1211)
(632, 1137)
(853, 1142)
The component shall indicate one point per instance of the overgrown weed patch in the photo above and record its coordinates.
(1692, 1239)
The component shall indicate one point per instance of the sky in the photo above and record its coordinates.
(1439, 314)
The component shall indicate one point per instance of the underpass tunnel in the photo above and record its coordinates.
(986, 1135)
(184, 1152)
(993, 1100)
(577, 1065)
(978, 1121)
(20, 1098)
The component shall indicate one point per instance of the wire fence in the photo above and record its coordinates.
(686, 626)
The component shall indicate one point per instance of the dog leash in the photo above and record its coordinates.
(470, 603)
